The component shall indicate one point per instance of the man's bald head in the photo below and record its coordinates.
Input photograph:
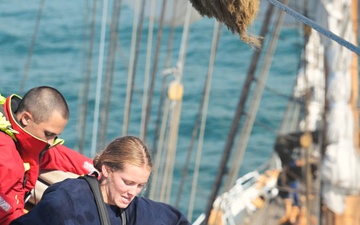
(42, 101)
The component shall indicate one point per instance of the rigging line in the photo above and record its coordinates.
(154, 70)
(282, 95)
(159, 112)
(33, 40)
(215, 43)
(99, 77)
(263, 125)
(175, 116)
(190, 148)
(85, 98)
(291, 118)
(172, 143)
(164, 80)
(157, 164)
(236, 119)
(254, 104)
(183, 46)
(147, 68)
(134, 56)
(189, 152)
(108, 83)
(164, 182)
(315, 26)
(292, 113)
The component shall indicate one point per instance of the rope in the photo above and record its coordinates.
(254, 104)
(108, 82)
(85, 98)
(33, 39)
(159, 153)
(147, 68)
(99, 78)
(235, 124)
(175, 107)
(134, 56)
(159, 137)
(154, 71)
(315, 26)
(166, 153)
(172, 144)
(164, 80)
(215, 42)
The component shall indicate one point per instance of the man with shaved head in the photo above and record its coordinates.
(29, 141)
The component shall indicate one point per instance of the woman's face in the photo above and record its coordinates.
(120, 187)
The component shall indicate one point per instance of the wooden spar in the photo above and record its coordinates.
(355, 74)
(349, 215)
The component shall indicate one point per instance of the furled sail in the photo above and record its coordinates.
(341, 163)
(175, 11)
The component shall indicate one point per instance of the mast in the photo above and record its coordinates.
(341, 164)
(355, 73)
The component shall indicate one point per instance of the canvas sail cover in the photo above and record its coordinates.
(341, 164)
(311, 77)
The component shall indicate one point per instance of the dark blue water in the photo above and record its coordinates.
(57, 59)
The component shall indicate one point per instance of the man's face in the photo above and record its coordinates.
(47, 130)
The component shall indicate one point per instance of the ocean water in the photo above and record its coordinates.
(58, 59)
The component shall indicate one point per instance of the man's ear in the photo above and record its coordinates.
(25, 117)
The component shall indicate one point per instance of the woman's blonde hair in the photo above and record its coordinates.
(122, 151)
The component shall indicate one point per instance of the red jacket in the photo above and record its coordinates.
(15, 182)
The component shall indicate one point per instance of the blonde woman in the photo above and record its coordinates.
(125, 166)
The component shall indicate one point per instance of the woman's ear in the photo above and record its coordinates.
(105, 170)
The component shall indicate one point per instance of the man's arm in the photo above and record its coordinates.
(9, 209)
(11, 177)
(65, 159)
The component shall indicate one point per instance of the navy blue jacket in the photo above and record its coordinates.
(71, 202)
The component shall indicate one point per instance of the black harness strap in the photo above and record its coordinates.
(123, 217)
(95, 188)
(104, 216)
